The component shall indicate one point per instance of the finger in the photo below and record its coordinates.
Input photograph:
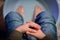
(32, 30)
(29, 33)
(27, 24)
(32, 24)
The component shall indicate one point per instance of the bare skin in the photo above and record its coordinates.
(20, 10)
(38, 34)
(37, 10)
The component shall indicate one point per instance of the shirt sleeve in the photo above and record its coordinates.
(15, 35)
(48, 24)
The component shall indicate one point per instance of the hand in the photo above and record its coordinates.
(39, 34)
(28, 27)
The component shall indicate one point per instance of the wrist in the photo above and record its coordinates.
(19, 29)
(42, 35)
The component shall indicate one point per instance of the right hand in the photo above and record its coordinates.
(39, 33)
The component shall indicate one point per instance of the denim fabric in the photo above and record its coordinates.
(46, 20)
(48, 24)
(13, 20)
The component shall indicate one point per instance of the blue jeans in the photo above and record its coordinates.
(46, 20)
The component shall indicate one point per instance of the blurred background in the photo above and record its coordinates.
(58, 22)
